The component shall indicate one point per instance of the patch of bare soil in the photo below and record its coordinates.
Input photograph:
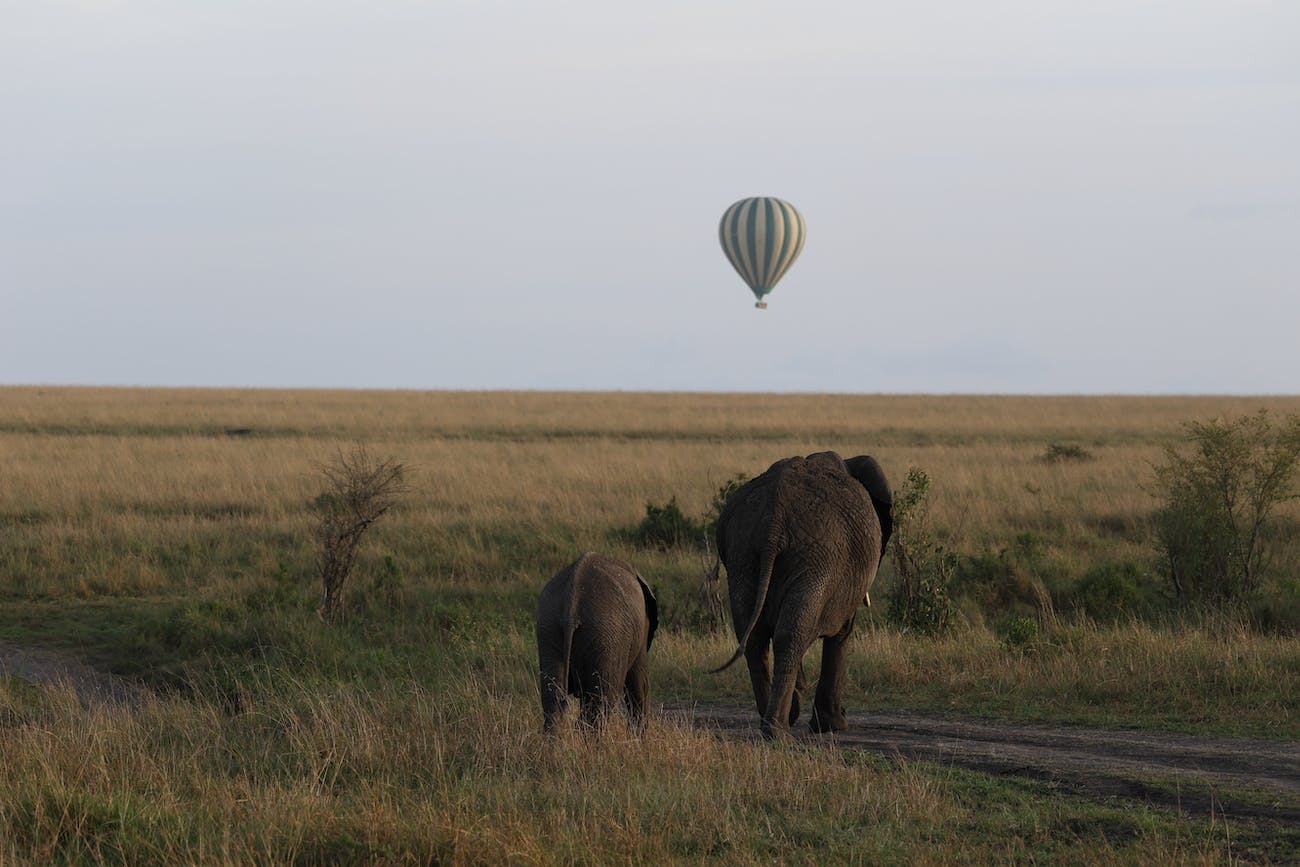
(44, 666)
(1247, 778)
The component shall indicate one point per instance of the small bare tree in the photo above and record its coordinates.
(359, 490)
(710, 590)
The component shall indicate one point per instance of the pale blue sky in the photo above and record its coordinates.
(1026, 196)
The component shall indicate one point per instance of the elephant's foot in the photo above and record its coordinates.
(773, 731)
(636, 723)
(823, 721)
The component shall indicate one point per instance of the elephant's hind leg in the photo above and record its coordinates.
(552, 680)
(760, 668)
(636, 691)
(788, 662)
(796, 698)
(828, 706)
(595, 709)
(600, 690)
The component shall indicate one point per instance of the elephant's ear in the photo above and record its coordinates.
(651, 610)
(868, 472)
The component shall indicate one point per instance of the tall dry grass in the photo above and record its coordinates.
(157, 464)
(133, 493)
(397, 772)
(200, 495)
(309, 773)
(419, 414)
(166, 532)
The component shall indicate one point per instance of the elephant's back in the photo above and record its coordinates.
(826, 515)
(802, 505)
(598, 599)
(609, 594)
(821, 485)
(590, 584)
(756, 500)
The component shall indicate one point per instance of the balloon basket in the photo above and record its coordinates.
(761, 305)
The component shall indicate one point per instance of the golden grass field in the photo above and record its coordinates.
(164, 534)
(155, 463)
(113, 487)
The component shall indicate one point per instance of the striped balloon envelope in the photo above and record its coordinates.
(762, 237)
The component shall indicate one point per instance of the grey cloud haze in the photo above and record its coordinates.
(1000, 197)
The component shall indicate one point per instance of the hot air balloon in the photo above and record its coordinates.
(762, 237)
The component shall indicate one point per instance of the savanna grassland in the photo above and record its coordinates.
(164, 536)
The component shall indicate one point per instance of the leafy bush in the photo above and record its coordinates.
(920, 601)
(667, 526)
(927, 610)
(1021, 632)
(719, 501)
(279, 593)
(388, 581)
(1060, 452)
(1210, 527)
(1006, 582)
(1111, 590)
(1278, 612)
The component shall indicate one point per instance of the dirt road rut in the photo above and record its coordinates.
(1242, 777)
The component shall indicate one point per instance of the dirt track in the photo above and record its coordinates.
(44, 666)
(1238, 777)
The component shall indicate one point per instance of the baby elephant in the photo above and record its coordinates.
(595, 621)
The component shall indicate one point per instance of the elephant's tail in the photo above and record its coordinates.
(571, 622)
(760, 598)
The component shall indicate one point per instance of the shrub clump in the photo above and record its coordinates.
(1065, 452)
(1008, 582)
(1216, 502)
(920, 601)
(667, 526)
(1109, 591)
(719, 501)
(1021, 632)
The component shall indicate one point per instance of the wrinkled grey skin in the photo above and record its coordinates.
(595, 621)
(802, 543)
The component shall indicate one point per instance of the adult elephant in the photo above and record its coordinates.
(596, 619)
(801, 544)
